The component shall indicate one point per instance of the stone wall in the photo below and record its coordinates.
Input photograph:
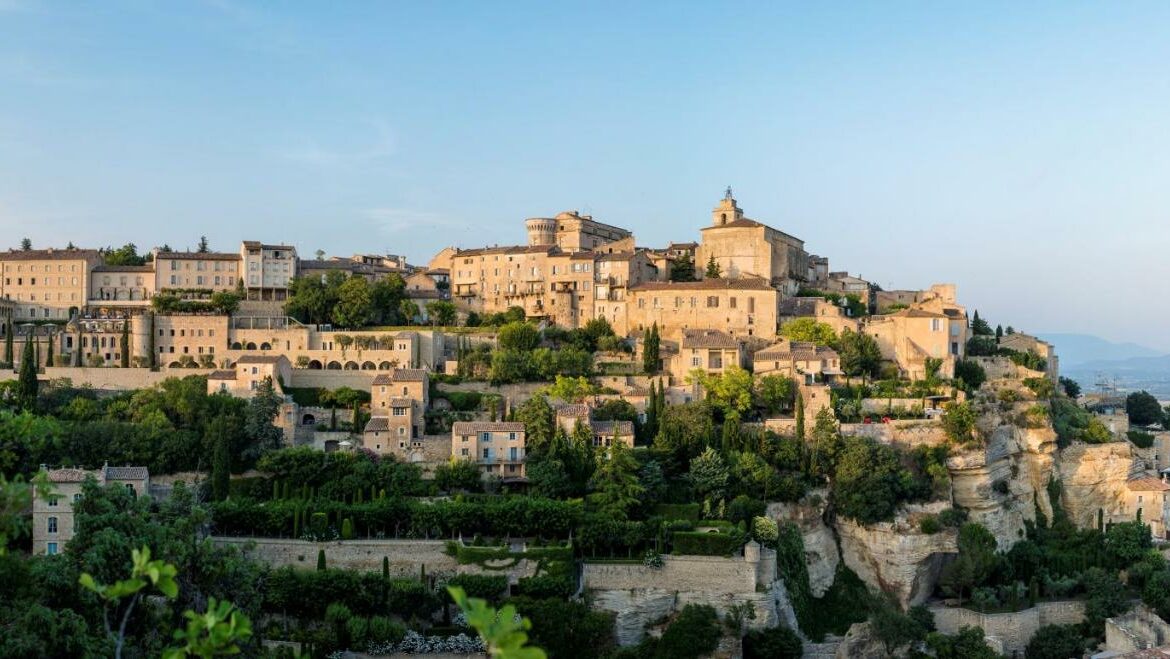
(407, 557)
(327, 379)
(711, 574)
(1138, 629)
(908, 432)
(1010, 631)
(116, 379)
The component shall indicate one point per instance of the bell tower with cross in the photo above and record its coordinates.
(727, 210)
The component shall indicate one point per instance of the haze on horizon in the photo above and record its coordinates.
(1019, 151)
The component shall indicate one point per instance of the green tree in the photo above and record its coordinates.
(119, 599)
(682, 268)
(538, 418)
(518, 335)
(651, 357)
(458, 475)
(320, 560)
(1071, 387)
(571, 390)
(975, 562)
(979, 327)
(409, 311)
(503, 631)
(894, 628)
(441, 312)
(213, 633)
(355, 303)
(25, 244)
(869, 481)
(777, 642)
(971, 373)
(510, 366)
(958, 420)
(1127, 542)
(1105, 597)
(8, 352)
(203, 247)
(26, 384)
(1143, 409)
(729, 391)
(967, 644)
(808, 329)
(860, 354)
(709, 475)
(1055, 642)
(615, 483)
(225, 302)
(123, 346)
(713, 269)
(219, 437)
(683, 432)
(775, 393)
(125, 255)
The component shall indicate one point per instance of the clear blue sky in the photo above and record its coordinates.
(1020, 150)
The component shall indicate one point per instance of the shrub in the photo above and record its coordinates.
(483, 586)
(1140, 439)
(707, 544)
(1042, 387)
(952, 518)
(695, 632)
(929, 525)
(687, 511)
(958, 421)
(1055, 642)
(772, 643)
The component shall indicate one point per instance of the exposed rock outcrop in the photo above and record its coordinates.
(1094, 477)
(896, 557)
(820, 547)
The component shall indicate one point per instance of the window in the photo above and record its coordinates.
(731, 303)
(512, 436)
(53, 501)
(51, 549)
(485, 437)
(52, 524)
(399, 411)
(712, 302)
(76, 497)
(935, 324)
(402, 431)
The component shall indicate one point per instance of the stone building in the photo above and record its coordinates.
(47, 284)
(123, 286)
(746, 248)
(605, 433)
(741, 307)
(801, 360)
(710, 350)
(53, 525)
(1021, 342)
(931, 330)
(820, 310)
(249, 374)
(193, 275)
(398, 405)
(267, 269)
(572, 232)
(498, 447)
(318, 268)
(1150, 494)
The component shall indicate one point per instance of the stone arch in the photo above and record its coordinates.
(308, 420)
(174, 365)
(385, 366)
(266, 346)
(351, 366)
(333, 366)
(250, 346)
(367, 366)
(315, 364)
(237, 346)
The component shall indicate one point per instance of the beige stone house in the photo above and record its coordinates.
(249, 374)
(398, 404)
(498, 447)
(196, 274)
(710, 350)
(801, 360)
(931, 330)
(1149, 493)
(53, 525)
(746, 248)
(1021, 342)
(46, 284)
(605, 433)
(123, 286)
(267, 269)
(741, 307)
(572, 232)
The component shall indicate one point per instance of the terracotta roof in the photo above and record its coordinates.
(124, 268)
(222, 375)
(127, 473)
(199, 256)
(681, 245)
(259, 359)
(408, 375)
(797, 350)
(68, 475)
(747, 284)
(575, 409)
(507, 249)
(624, 428)
(915, 313)
(1147, 484)
(742, 223)
(708, 338)
(377, 424)
(438, 271)
(400, 402)
(352, 266)
(468, 427)
(48, 254)
(382, 379)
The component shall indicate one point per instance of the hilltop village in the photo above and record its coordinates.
(715, 448)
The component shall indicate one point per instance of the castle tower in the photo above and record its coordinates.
(542, 231)
(727, 210)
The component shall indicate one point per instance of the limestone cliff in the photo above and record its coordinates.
(1094, 477)
(820, 546)
(896, 557)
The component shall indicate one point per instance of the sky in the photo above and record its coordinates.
(1018, 150)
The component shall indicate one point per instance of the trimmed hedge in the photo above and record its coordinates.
(687, 511)
(308, 593)
(706, 544)
(484, 586)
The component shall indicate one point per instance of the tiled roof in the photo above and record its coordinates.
(575, 409)
(507, 249)
(798, 350)
(68, 475)
(623, 428)
(199, 256)
(468, 427)
(1147, 484)
(127, 473)
(400, 402)
(916, 313)
(382, 379)
(377, 424)
(745, 284)
(408, 375)
(222, 375)
(743, 223)
(708, 338)
(47, 254)
(259, 359)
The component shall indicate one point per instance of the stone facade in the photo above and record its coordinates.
(52, 516)
(496, 446)
(1138, 629)
(46, 284)
(1009, 633)
(745, 248)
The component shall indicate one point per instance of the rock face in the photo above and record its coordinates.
(860, 643)
(1001, 484)
(820, 547)
(896, 557)
(1093, 476)
(636, 609)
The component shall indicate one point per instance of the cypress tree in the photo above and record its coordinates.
(26, 384)
(221, 457)
(37, 357)
(321, 559)
(347, 529)
(799, 416)
(385, 567)
(650, 350)
(49, 354)
(8, 354)
(296, 523)
(124, 345)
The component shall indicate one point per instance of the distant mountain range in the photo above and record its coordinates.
(1090, 359)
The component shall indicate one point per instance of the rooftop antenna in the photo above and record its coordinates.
(727, 195)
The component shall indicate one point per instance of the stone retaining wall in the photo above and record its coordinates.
(712, 574)
(1011, 631)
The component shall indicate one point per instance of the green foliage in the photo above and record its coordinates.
(774, 393)
(1042, 387)
(896, 629)
(1055, 642)
(1071, 387)
(709, 475)
(26, 382)
(502, 631)
(777, 642)
(488, 587)
(615, 483)
(1140, 439)
(975, 562)
(125, 255)
(713, 270)
(694, 633)
(520, 336)
(808, 329)
(980, 327)
(213, 633)
(456, 475)
(729, 391)
(441, 313)
(1143, 409)
(567, 629)
(971, 373)
(684, 431)
(682, 268)
(958, 420)
(1105, 597)
(651, 347)
(860, 354)
(571, 390)
(705, 543)
(967, 644)
(307, 594)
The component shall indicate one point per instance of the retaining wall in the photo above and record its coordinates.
(1012, 631)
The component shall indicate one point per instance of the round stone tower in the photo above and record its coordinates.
(541, 231)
